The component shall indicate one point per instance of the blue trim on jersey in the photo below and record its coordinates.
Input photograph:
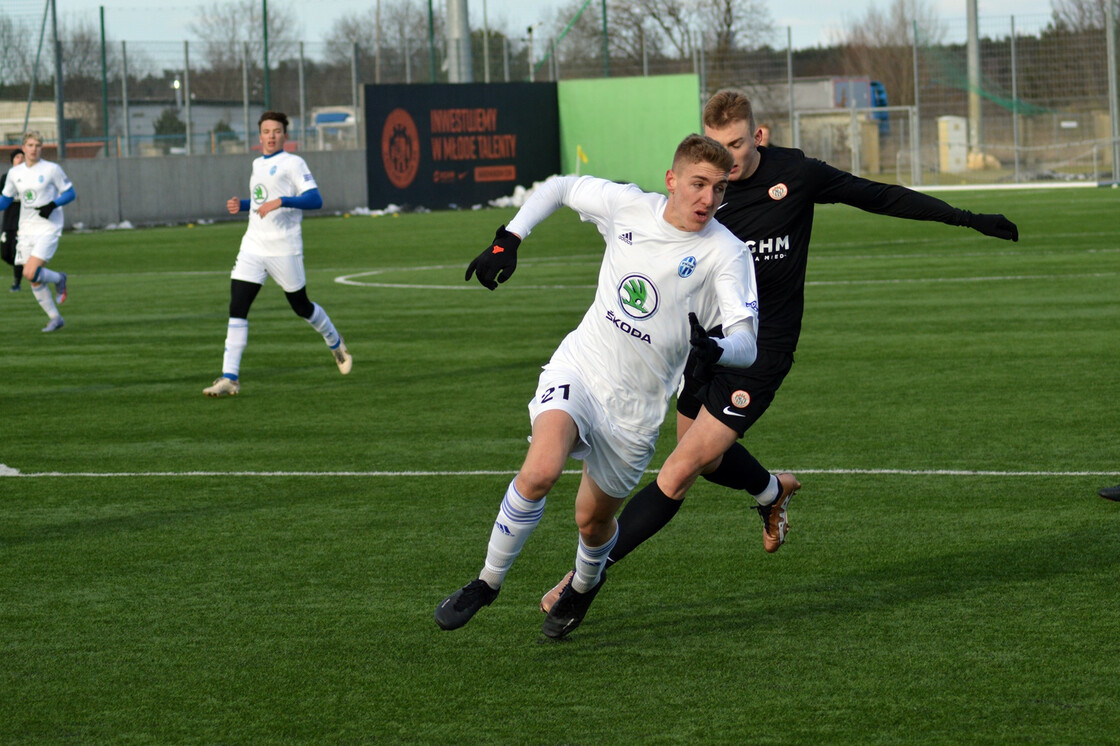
(65, 198)
(273, 155)
(309, 200)
(5, 200)
(244, 207)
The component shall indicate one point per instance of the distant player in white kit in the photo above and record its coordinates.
(603, 395)
(282, 187)
(42, 189)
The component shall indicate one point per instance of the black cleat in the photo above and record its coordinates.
(458, 608)
(1110, 493)
(569, 610)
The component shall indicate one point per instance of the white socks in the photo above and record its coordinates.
(237, 337)
(590, 562)
(45, 297)
(515, 523)
(48, 275)
(322, 324)
(770, 494)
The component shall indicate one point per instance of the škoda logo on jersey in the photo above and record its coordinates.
(260, 194)
(638, 296)
(778, 191)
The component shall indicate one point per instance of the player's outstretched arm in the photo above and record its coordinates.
(498, 261)
(900, 202)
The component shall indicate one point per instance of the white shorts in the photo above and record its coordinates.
(616, 458)
(41, 247)
(286, 270)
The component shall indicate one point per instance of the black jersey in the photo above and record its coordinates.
(771, 211)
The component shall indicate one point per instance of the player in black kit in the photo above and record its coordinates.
(769, 206)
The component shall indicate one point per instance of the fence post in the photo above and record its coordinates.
(60, 109)
(302, 101)
(789, 75)
(104, 85)
(355, 97)
(485, 44)
(1014, 101)
(124, 102)
(245, 94)
(916, 120)
(645, 56)
(1113, 95)
(187, 91)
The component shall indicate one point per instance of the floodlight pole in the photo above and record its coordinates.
(974, 114)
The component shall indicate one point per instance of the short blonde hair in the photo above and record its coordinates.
(728, 106)
(32, 135)
(702, 149)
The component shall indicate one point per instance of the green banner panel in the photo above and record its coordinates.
(626, 129)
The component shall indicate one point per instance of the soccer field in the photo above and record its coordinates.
(264, 568)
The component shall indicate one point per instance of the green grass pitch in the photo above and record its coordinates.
(264, 569)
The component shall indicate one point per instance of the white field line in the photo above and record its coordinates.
(7, 471)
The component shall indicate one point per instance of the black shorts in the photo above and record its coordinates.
(737, 397)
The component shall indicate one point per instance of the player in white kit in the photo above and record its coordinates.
(42, 189)
(282, 187)
(603, 395)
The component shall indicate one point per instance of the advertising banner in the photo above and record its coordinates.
(458, 145)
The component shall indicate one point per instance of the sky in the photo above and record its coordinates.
(811, 22)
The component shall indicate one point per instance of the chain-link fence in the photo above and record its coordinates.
(1037, 106)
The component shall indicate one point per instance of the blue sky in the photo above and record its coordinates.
(811, 21)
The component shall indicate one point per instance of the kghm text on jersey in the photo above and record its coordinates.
(769, 247)
(626, 327)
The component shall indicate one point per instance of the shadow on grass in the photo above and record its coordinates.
(1084, 551)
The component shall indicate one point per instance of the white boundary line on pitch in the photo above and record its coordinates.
(7, 471)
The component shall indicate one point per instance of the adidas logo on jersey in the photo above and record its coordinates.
(627, 238)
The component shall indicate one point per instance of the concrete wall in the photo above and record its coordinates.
(180, 189)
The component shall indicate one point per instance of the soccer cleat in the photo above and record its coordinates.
(458, 608)
(343, 358)
(569, 610)
(548, 599)
(1110, 493)
(60, 288)
(223, 387)
(775, 526)
(54, 325)
(15, 288)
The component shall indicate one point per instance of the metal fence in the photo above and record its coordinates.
(1042, 106)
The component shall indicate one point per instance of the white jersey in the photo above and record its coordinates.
(281, 174)
(632, 343)
(35, 186)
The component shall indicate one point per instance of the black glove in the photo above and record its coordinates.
(46, 210)
(706, 352)
(996, 226)
(498, 261)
